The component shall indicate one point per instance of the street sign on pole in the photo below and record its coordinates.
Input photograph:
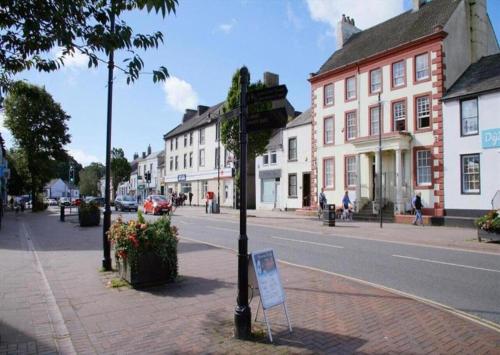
(267, 94)
(276, 118)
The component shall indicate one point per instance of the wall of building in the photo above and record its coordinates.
(364, 100)
(277, 178)
(455, 145)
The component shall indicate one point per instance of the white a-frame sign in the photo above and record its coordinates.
(265, 277)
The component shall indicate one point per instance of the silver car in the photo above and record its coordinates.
(125, 203)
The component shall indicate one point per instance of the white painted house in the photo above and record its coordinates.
(283, 172)
(472, 141)
(57, 188)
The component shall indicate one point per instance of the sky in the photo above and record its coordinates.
(205, 43)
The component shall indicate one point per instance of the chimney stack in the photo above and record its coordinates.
(188, 115)
(345, 29)
(143, 155)
(149, 149)
(202, 109)
(271, 79)
(417, 4)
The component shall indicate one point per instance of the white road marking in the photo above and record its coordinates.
(306, 242)
(445, 263)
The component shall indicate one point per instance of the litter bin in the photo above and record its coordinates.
(329, 216)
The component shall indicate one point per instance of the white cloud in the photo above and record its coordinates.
(6, 135)
(365, 13)
(82, 157)
(77, 60)
(180, 95)
(227, 27)
(292, 17)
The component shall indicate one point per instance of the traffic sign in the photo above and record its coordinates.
(276, 118)
(267, 94)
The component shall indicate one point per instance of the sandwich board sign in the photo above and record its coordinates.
(264, 276)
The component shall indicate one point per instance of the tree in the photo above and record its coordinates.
(230, 136)
(18, 183)
(39, 127)
(120, 168)
(30, 30)
(89, 179)
(62, 169)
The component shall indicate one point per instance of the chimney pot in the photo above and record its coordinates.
(202, 109)
(345, 29)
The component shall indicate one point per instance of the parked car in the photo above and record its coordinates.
(64, 201)
(125, 203)
(50, 201)
(98, 200)
(157, 204)
(76, 202)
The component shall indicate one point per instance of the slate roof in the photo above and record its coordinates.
(276, 140)
(482, 76)
(399, 30)
(196, 121)
(302, 119)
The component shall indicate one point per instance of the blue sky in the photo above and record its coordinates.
(205, 42)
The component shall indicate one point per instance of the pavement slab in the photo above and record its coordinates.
(329, 313)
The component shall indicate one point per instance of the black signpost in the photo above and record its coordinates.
(273, 118)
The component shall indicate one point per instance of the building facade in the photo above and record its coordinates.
(283, 173)
(193, 153)
(391, 90)
(472, 141)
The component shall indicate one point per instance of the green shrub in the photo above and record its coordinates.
(490, 222)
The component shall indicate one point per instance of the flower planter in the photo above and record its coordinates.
(149, 270)
(89, 219)
(489, 236)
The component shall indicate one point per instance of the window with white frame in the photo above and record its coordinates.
(374, 120)
(171, 144)
(350, 91)
(376, 81)
(329, 92)
(423, 112)
(470, 117)
(471, 174)
(204, 187)
(398, 74)
(185, 161)
(176, 162)
(292, 185)
(191, 159)
(226, 191)
(190, 138)
(328, 128)
(185, 140)
(422, 71)
(274, 157)
(351, 126)
(424, 167)
(265, 159)
(328, 173)
(399, 115)
(176, 143)
(350, 173)
(292, 148)
(202, 136)
(217, 131)
(217, 158)
(201, 161)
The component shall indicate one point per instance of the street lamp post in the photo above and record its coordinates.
(242, 313)
(218, 164)
(106, 261)
(380, 159)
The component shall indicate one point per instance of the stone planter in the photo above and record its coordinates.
(88, 218)
(487, 236)
(149, 270)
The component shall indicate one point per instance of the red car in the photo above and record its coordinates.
(76, 202)
(157, 204)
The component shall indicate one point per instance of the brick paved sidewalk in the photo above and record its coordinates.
(329, 314)
(451, 237)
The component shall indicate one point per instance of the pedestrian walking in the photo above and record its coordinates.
(322, 202)
(190, 197)
(417, 205)
(346, 204)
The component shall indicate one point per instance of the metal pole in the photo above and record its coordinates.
(242, 313)
(218, 165)
(380, 159)
(106, 261)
